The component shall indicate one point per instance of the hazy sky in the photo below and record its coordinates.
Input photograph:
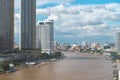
(78, 20)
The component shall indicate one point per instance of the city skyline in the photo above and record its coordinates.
(101, 20)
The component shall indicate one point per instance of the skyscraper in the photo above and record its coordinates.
(84, 44)
(45, 36)
(6, 24)
(28, 24)
(117, 42)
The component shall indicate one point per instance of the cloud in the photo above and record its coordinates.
(80, 20)
(59, 9)
(52, 17)
(43, 2)
(84, 20)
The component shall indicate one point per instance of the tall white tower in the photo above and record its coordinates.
(45, 36)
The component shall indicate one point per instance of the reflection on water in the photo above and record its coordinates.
(73, 67)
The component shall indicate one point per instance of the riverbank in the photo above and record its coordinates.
(37, 64)
(43, 59)
(33, 64)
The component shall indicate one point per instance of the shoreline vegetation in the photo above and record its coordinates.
(42, 59)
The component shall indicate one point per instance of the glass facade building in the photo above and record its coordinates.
(28, 24)
(6, 24)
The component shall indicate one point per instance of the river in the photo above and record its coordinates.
(76, 66)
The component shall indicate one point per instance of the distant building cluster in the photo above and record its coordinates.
(84, 47)
(32, 37)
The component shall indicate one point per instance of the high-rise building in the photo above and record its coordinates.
(84, 44)
(117, 42)
(6, 24)
(28, 24)
(45, 36)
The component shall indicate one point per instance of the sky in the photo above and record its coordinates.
(77, 20)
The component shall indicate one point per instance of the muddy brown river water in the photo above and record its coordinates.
(75, 66)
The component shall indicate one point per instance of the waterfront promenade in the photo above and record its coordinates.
(76, 66)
